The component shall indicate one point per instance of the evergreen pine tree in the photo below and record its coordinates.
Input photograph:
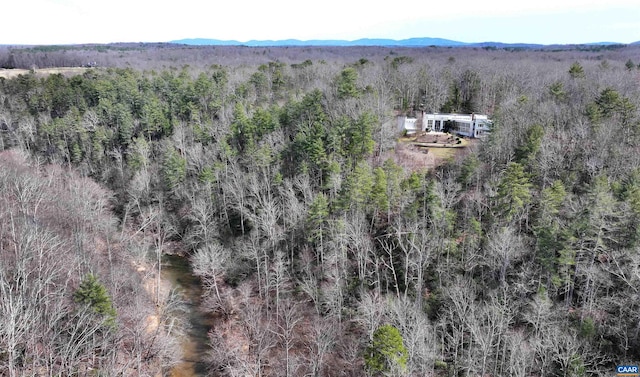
(93, 294)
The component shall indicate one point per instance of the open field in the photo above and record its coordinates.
(67, 71)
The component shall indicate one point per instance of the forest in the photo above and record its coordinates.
(322, 245)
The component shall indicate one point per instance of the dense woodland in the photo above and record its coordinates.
(321, 251)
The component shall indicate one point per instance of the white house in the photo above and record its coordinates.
(470, 125)
(408, 125)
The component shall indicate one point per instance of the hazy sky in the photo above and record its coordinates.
(101, 21)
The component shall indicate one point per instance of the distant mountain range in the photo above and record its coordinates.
(411, 42)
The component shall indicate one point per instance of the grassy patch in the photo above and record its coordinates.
(444, 153)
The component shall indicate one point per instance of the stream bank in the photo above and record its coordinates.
(177, 270)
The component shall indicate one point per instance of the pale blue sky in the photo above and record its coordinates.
(541, 21)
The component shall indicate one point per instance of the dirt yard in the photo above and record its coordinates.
(428, 150)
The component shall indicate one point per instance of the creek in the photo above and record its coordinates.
(177, 270)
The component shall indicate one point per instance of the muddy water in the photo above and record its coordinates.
(195, 343)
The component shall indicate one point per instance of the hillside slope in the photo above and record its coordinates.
(72, 294)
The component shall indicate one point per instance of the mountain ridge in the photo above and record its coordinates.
(323, 42)
(385, 42)
(382, 42)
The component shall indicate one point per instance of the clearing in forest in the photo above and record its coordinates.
(429, 149)
(11, 73)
